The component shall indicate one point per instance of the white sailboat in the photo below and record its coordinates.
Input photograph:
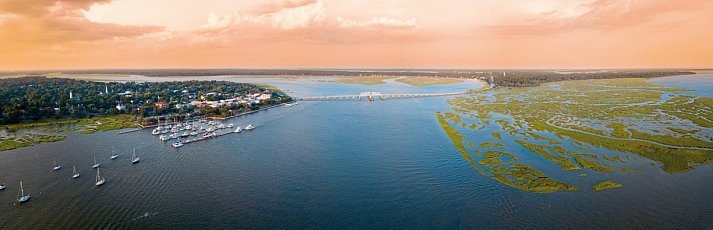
(22, 198)
(96, 165)
(99, 179)
(134, 159)
(75, 174)
(237, 130)
(113, 154)
(56, 166)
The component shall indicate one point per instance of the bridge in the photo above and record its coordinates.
(372, 96)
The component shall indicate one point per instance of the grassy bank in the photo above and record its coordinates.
(12, 139)
(428, 81)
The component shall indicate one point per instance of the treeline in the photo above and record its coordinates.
(37, 97)
(525, 79)
(504, 78)
(269, 72)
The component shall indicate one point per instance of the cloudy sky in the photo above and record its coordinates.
(71, 34)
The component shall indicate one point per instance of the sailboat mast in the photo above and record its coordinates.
(22, 191)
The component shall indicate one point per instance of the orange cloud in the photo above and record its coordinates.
(306, 22)
(48, 34)
(272, 7)
(605, 15)
(32, 24)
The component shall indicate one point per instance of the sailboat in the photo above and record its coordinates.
(22, 198)
(237, 130)
(134, 159)
(113, 154)
(96, 165)
(75, 174)
(100, 180)
(56, 166)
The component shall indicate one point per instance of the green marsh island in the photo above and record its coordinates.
(595, 128)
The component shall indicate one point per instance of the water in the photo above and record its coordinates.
(699, 84)
(322, 165)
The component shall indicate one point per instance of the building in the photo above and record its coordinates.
(265, 96)
(199, 103)
(184, 105)
(161, 105)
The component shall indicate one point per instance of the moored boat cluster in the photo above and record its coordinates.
(195, 131)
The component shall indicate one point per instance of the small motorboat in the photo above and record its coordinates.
(249, 127)
(178, 144)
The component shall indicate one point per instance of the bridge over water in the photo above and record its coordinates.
(372, 96)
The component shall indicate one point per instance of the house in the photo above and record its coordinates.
(183, 105)
(199, 103)
(265, 96)
(161, 105)
(125, 94)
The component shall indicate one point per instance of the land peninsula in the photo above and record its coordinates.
(53, 105)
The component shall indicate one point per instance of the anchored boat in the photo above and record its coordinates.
(75, 174)
(56, 166)
(134, 159)
(22, 198)
(100, 180)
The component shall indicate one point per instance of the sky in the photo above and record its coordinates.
(549, 34)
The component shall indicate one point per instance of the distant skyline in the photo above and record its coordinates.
(542, 34)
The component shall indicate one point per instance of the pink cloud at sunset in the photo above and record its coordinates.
(76, 34)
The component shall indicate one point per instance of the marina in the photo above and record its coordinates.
(195, 131)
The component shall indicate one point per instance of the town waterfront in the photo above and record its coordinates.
(382, 164)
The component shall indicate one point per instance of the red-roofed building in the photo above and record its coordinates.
(161, 105)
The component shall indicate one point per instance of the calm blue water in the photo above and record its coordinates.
(365, 165)
(700, 84)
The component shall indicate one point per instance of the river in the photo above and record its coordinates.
(347, 164)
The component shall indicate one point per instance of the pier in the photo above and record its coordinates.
(373, 96)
